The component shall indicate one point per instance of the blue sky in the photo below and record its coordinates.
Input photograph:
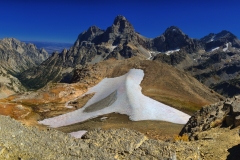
(64, 20)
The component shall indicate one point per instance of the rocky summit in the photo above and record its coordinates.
(224, 113)
(173, 38)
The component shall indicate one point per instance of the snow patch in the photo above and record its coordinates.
(214, 49)
(150, 55)
(78, 134)
(130, 101)
(226, 49)
(171, 51)
(213, 37)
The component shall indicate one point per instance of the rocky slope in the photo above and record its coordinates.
(18, 141)
(215, 64)
(224, 113)
(15, 57)
(21, 142)
(219, 67)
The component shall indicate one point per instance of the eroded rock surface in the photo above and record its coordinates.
(21, 142)
(224, 113)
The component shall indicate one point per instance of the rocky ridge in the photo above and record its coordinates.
(16, 57)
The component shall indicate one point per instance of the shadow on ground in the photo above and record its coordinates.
(234, 153)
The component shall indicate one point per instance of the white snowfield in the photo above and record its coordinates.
(129, 101)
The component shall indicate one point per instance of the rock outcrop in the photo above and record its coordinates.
(224, 113)
(22, 142)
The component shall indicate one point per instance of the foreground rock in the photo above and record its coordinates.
(224, 113)
(22, 142)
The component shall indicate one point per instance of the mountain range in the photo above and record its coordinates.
(121, 41)
(117, 78)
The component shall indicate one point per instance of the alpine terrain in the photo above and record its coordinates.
(116, 94)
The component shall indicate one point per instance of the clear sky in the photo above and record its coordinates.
(64, 20)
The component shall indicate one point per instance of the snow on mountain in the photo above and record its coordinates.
(226, 48)
(214, 49)
(172, 51)
(120, 95)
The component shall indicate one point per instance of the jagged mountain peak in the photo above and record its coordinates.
(93, 29)
(12, 42)
(214, 40)
(10, 39)
(172, 39)
(121, 25)
(89, 35)
(173, 30)
(118, 19)
(225, 34)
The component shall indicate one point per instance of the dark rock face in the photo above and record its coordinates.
(215, 40)
(224, 113)
(173, 38)
(120, 32)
